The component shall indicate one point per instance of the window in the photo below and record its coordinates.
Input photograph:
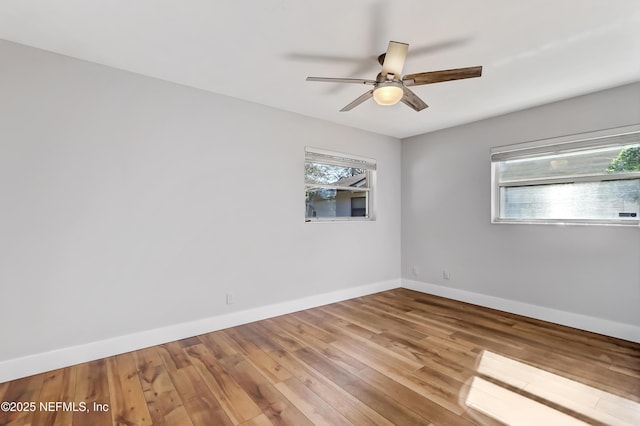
(338, 186)
(359, 206)
(590, 178)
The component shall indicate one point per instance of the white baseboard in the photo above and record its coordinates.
(39, 363)
(597, 325)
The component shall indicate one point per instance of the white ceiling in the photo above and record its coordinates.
(533, 52)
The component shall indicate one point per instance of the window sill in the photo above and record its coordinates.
(626, 223)
(339, 219)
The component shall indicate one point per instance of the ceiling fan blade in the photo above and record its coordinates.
(443, 75)
(310, 57)
(394, 59)
(430, 49)
(412, 100)
(341, 80)
(358, 101)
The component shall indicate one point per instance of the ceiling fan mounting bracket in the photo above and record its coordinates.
(380, 78)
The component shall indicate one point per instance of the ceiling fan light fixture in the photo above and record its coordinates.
(388, 93)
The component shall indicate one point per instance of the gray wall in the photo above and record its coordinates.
(129, 203)
(446, 189)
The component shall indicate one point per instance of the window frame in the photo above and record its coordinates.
(620, 136)
(323, 156)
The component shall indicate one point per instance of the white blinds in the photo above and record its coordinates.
(335, 159)
(622, 136)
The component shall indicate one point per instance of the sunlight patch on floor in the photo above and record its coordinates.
(516, 409)
(512, 408)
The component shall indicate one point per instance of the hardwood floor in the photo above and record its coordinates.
(398, 357)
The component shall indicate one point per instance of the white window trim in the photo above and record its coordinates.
(602, 138)
(329, 157)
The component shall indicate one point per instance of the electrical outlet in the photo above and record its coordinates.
(229, 298)
(446, 274)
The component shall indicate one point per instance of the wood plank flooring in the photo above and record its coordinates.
(394, 358)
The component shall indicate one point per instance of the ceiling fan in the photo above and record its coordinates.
(390, 87)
